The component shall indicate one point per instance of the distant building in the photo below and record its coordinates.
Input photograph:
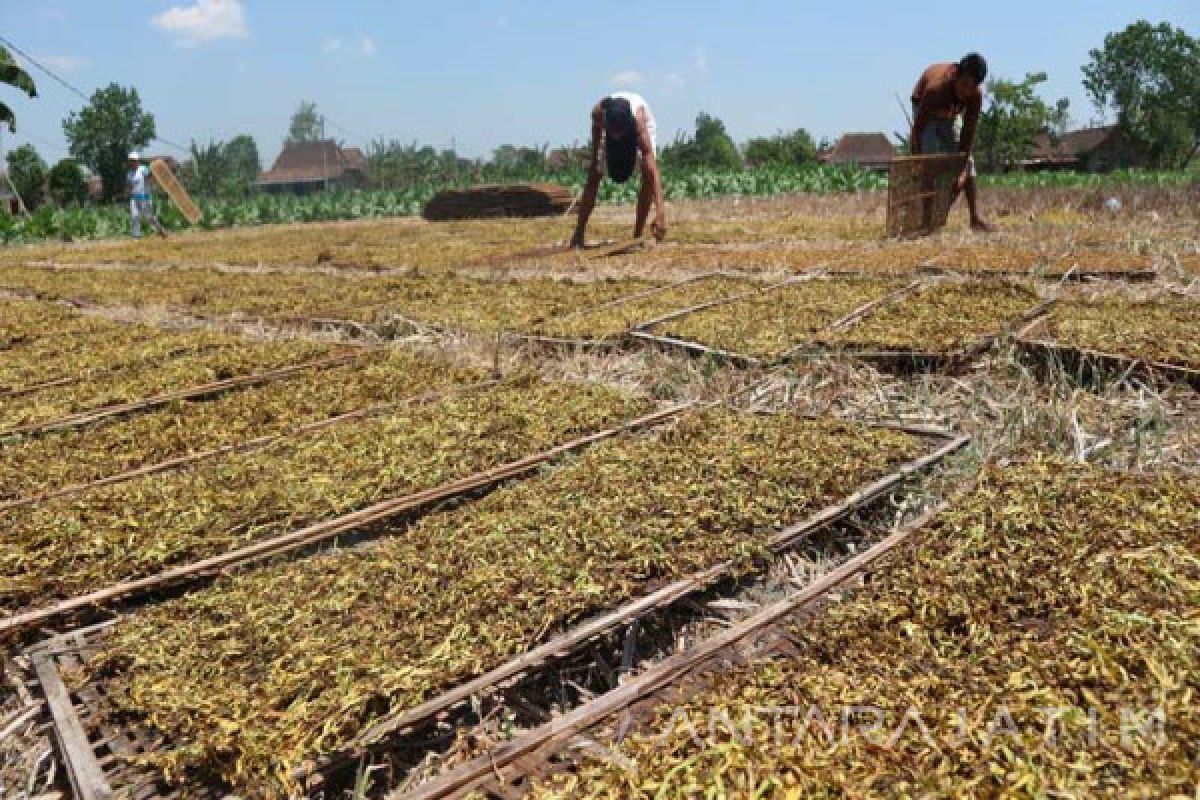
(1087, 150)
(867, 150)
(305, 167)
(8, 198)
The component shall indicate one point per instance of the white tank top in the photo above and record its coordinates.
(636, 101)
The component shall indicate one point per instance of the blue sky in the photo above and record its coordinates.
(480, 74)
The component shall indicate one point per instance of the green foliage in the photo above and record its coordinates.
(203, 172)
(1150, 74)
(226, 169)
(307, 125)
(512, 159)
(1015, 115)
(12, 74)
(27, 171)
(392, 164)
(678, 184)
(103, 133)
(242, 164)
(792, 148)
(711, 146)
(67, 184)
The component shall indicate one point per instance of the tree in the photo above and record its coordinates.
(782, 148)
(307, 125)
(1014, 116)
(67, 183)
(242, 165)
(103, 133)
(205, 168)
(12, 74)
(27, 172)
(512, 161)
(710, 147)
(1150, 75)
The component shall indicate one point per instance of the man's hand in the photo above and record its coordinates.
(660, 226)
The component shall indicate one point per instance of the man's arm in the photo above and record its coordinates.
(588, 201)
(966, 140)
(921, 115)
(650, 173)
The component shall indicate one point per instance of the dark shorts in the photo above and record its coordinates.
(939, 138)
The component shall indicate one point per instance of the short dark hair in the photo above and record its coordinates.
(974, 65)
(620, 153)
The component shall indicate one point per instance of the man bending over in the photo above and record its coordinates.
(623, 126)
(944, 92)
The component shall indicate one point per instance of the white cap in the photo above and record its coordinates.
(133, 156)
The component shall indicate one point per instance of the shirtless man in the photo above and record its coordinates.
(623, 124)
(943, 92)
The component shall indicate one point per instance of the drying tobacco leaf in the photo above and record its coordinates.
(272, 667)
(1052, 590)
(616, 319)
(82, 543)
(439, 299)
(26, 321)
(67, 350)
(989, 258)
(41, 464)
(375, 244)
(1101, 261)
(937, 318)
(161, 364)
(1158, 329)
(893, 258)
(768, 324)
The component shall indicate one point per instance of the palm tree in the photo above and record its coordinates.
(12, 74)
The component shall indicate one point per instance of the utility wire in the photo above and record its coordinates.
(71, 87)
(349, 133)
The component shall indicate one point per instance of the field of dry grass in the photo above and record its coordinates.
(1098, 393)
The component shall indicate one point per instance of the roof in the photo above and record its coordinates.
(860, 148)
(1071, 145)
(308, 162)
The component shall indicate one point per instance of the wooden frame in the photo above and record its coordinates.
(85, 763)
(948, 361)
(919, 193)
(1091, 362)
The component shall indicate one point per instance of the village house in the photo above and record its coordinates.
(868, 150)
(1087, 150)
(305, 167)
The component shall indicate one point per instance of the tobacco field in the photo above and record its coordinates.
(400, 382)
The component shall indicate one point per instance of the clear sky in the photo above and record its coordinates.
(480, 74)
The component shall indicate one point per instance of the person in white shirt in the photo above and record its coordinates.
(139, 197)
(623, 125)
